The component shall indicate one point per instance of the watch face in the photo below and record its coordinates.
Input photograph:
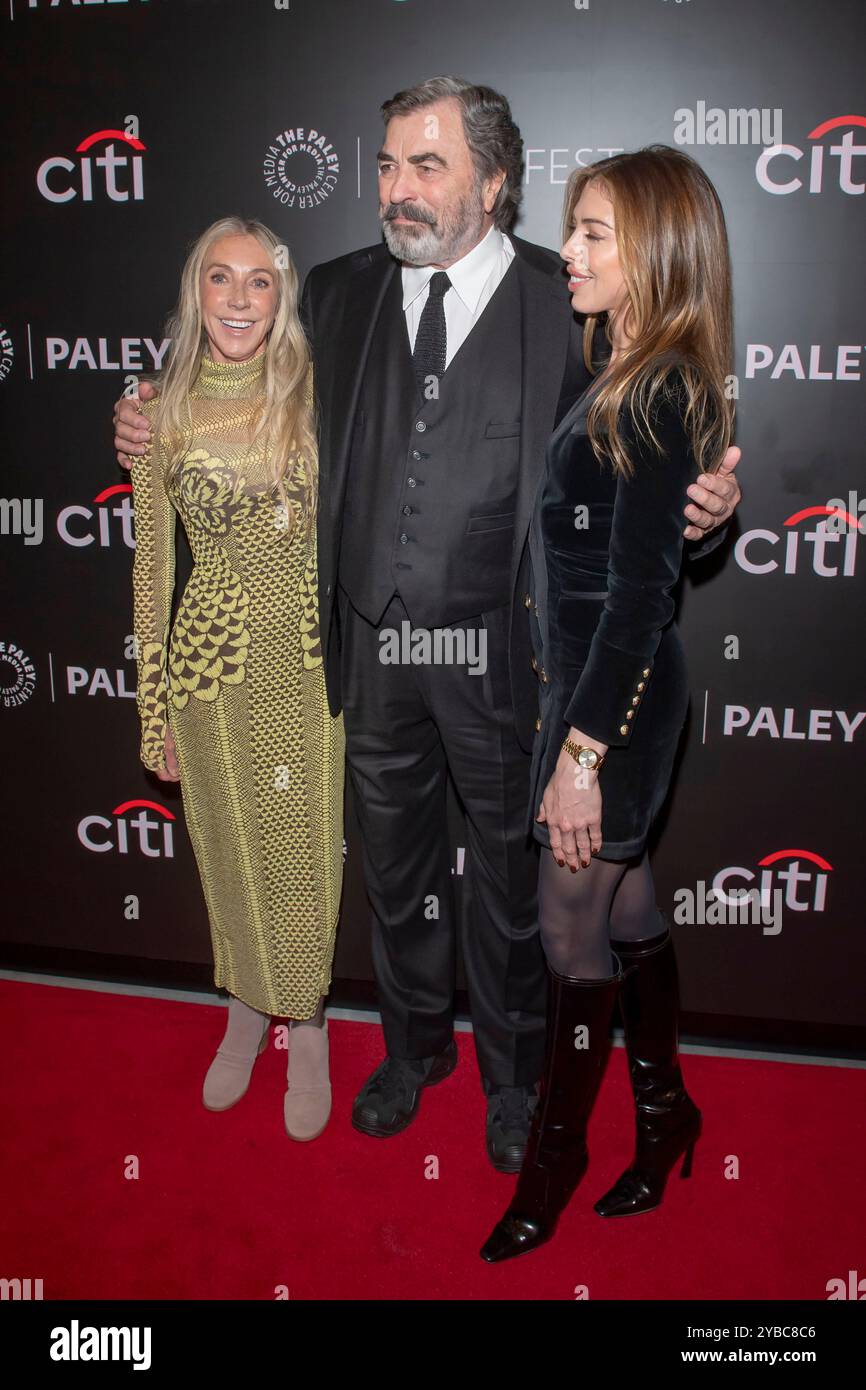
(587, 757)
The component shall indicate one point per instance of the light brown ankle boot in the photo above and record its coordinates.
(307, 1102)
(229, 1074)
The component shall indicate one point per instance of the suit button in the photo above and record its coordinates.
(646, 670)
(410, 482)
(420, 426)
(623, 728)
(543, 676)
(629, 714)
(527, 602)
(533, 663)
(538, 726)
(641, 685)
(415, 454)
(635, 700)
(404, 539)
(407, 511)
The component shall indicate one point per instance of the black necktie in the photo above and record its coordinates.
(430, 340)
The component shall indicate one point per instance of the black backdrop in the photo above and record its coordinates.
(131, 125)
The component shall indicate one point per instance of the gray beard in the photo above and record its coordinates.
(423, 244)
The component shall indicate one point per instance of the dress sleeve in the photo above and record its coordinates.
(644, 558)
(153, 587)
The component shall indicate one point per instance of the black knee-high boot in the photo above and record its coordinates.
(668, 1121)
(556, 1154)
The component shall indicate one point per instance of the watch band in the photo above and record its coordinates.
(576, 748)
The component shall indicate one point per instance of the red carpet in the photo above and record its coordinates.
(226, 1206)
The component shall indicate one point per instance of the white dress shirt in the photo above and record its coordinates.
(473, 280)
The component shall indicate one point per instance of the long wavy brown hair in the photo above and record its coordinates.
(674, 256)
(287, 418)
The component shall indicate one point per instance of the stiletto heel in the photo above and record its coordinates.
(556, 1153)
(686, 1170)
(668, 1121)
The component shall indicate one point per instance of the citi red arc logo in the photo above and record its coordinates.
(109, 517)
(801, 875)
(830, 546)
(116, 172)
(139, 826)
(779, 167)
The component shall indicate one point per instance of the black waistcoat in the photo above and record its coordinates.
(429, 507)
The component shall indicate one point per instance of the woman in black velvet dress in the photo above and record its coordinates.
(647, 255)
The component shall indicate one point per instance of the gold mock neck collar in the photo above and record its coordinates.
(230, 378)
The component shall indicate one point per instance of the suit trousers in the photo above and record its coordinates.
(408, 728)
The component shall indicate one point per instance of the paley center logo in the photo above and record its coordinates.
(779, 169)
(108, 518)
(301, 168)
(828, 545)
(17, 675)
(109, 165)
(105, 355)
(7, 354)
(134, 826)
(817, 362)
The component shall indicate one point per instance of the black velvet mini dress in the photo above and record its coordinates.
(606, 552)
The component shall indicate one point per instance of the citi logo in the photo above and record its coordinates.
(736, 126)
(799, 875)
(131, 828)
(777, 163)
(828, 547)
(116, 171)
(109, 517)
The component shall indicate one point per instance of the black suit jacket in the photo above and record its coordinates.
(339, 308)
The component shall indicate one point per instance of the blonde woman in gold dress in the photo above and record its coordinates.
(232, 696)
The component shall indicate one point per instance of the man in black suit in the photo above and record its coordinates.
(437, 397)
(443, 359)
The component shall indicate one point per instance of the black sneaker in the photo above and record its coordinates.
(509, 1116)
(388, 1102)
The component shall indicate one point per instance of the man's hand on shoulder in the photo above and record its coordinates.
(131, 430)
(715, 496)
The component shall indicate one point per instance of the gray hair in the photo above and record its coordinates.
(492, 136)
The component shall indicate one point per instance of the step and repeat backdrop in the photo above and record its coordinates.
(132, 124)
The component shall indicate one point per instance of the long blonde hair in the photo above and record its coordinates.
(674, 257)
(287, 420)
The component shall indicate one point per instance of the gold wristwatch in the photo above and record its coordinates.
(587, 758)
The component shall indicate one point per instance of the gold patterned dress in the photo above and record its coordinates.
(239, 681)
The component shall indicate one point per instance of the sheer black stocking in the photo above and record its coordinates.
(579, 914)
